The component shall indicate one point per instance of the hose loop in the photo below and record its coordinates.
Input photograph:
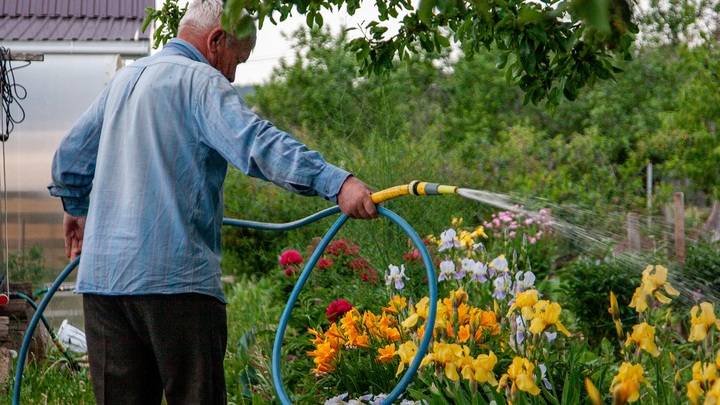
(433, 295)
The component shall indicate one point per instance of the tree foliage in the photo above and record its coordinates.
(592, 151)
(548, 49)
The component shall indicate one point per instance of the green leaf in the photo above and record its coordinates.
(503, 60)
(245, 27)
(150, 17)
(442, 40)
(594, 12)
(554, 97)
(425, 11)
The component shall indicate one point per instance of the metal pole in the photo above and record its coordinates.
(679, 200)
(649, 191)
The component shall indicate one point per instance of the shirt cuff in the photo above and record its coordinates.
(330, 181)
(77, 206)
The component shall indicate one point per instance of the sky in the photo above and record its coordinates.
(271, 46)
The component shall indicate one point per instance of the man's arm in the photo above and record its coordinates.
(73, 165)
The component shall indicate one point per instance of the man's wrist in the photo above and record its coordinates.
(76, 206)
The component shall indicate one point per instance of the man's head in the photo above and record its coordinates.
(201, 27)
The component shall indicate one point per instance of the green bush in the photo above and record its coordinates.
(699, 276)
(584, 289)
(29, 266)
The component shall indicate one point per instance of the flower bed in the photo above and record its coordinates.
(499, 335)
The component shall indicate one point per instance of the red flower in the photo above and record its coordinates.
(288, 271)
(290, 257)
(324, 263)
(369, 276)
(337, 309)
(342, 246)
(359, 263)
(412, 256)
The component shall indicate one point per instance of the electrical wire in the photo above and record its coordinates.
(10, 92)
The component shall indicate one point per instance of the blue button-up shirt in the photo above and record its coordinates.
(154, 149)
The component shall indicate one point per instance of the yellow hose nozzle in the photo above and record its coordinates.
(414, 188)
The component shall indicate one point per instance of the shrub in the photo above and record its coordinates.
(584, 289)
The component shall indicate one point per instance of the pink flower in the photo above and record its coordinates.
(336, 309)
(288, 272)
(324, 263)
(290, 257)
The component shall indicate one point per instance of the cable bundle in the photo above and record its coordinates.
(10, 92)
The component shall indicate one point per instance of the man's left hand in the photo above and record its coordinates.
(355, 201)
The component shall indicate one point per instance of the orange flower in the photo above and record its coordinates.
(386, 353)
(464, 333)
(396, 305)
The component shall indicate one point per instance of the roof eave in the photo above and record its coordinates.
(123, 48)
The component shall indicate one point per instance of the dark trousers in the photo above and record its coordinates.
(140, 347)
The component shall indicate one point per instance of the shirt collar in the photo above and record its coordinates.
(177, 46)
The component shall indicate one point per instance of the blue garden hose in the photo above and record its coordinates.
(277, 346)
(33, 324)
(55, 339)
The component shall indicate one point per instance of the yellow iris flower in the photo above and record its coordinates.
(614, 311)
(643, 336)
(520, 377)
(713, 395)
(593, 393)
(480, 369)
(447, 356)
(704, 375)
(411, 321)
(407, 352)
(650, 286)
(701, 324)
(546, 314)
(525, 301)
(625, 386)
(694, 391)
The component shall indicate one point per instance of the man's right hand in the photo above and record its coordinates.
(74, 231)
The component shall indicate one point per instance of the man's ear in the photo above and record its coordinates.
(215, 39)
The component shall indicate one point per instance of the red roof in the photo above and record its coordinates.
(73, 20)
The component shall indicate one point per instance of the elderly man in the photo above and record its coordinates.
(154, 148)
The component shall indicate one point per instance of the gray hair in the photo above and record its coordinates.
(204, 15)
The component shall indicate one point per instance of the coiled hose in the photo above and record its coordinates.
(413, 188)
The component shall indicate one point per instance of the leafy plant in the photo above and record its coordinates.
(584, 289)
(169, 18)
(29, 266)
